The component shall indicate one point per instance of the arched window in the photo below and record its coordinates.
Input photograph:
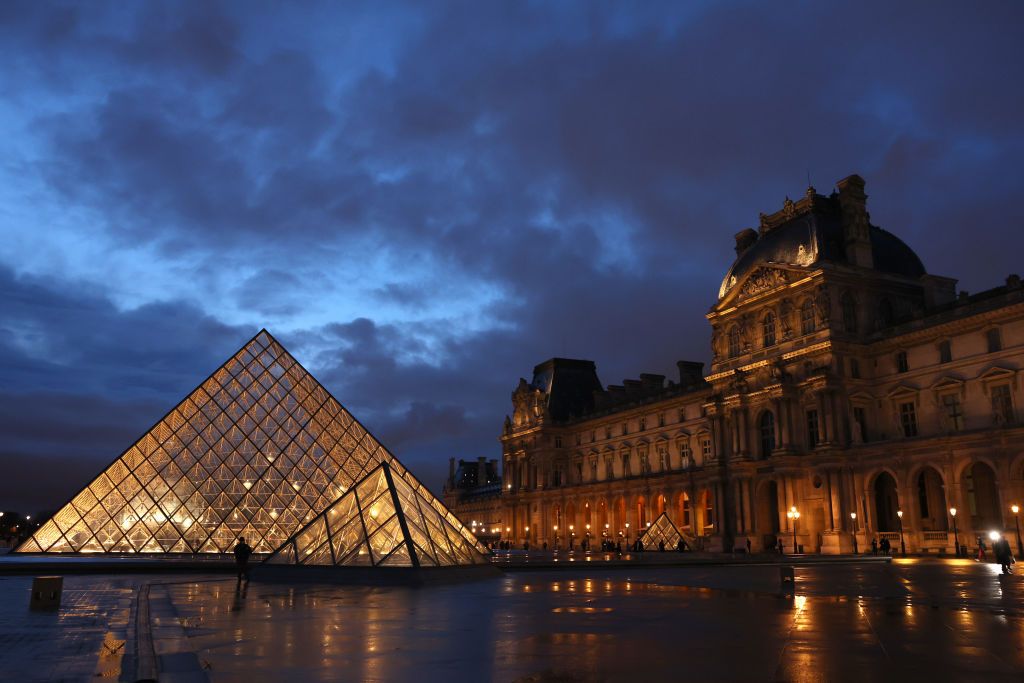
(849, 313)
(767, 426)
(885, 315)
(768, 330)
(807, 317)
(734, 342)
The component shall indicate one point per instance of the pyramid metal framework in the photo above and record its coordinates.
(661, 529)
(256, 451)
(387, 519)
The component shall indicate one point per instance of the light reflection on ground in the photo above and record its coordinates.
(854, 622)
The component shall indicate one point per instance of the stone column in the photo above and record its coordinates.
(829, 503)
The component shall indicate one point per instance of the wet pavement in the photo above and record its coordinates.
(911, 620)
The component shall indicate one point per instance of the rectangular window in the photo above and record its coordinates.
(579, 438)
(908, 419)
(995, 343)
(1002, 404)
(625, 428)
(901, 362)
(684, 453)
(625, 464)
(812, 429)
(860, 420)
(954, 413)
(609, 468)
(854, 368)
(945, 351)
(705, 449)
(643, 423)
(579, 472)
(662, 459)
(593, 435)
(661, 419)
(645, 465)
(558, 442)
(682, 414)
(607, 432)
(593, 469)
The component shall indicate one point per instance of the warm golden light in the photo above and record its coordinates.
(993, 535)
(1013, 508)
(899, 513)
(952, 511)
(247, 485)
(853, 515)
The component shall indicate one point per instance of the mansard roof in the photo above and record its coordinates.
(809, 232)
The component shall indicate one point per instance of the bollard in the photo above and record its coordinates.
(46, 591)
(787, 581)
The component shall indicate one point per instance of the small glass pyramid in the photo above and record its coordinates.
(661, 529)
(386, 519)
(256, 451)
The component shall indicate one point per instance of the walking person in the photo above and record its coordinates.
(981, 549)
(242, 553)
(1004, 556)
(874, 546)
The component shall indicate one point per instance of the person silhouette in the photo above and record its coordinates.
(242, 553)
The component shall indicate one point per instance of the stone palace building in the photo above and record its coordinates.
(847, 385)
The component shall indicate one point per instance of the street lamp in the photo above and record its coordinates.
(627, 537)
(793, 515)
(1016, 519)
(903, 546)
(556, 537)
(956, 536)
(853, 516)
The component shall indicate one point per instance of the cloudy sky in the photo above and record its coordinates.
(423, 200)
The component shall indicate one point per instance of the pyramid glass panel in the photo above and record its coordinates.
(662, 530)
(259, 449)
(386, 519)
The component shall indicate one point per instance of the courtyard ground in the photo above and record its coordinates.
(913, 619)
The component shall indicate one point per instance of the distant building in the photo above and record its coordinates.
(475, 486)
(845, 380)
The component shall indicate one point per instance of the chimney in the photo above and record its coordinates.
(451, 470)
(744, 240)
(853, 204)
(691, 373)
(652, 383)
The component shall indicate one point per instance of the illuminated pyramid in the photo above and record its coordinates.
(661, 529)
(387, 519)
(257, 450)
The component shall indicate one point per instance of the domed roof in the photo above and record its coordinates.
(818, 236)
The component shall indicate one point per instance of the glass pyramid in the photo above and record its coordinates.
(661, 529)
(256, 451)
(386, 519)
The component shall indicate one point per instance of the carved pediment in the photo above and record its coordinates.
(763, 280)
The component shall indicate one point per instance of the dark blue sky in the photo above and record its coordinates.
(423, 200)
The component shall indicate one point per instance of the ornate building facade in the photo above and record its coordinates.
(847, 385)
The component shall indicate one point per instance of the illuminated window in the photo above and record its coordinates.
(807, 317)
(734, 342)
(768, 330)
